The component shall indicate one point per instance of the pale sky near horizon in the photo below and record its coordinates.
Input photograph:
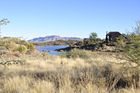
(71, 18)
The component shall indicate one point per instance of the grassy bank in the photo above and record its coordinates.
(96, 73)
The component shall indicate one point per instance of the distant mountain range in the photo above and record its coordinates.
(52, 38)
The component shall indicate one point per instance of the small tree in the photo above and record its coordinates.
(132, 49)
(93, 37)
(132, 53)
(3, 22)
(137, 28)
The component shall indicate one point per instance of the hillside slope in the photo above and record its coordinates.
(52, 38)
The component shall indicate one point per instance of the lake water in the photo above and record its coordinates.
(50, 49)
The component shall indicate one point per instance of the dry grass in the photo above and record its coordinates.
(49, 74)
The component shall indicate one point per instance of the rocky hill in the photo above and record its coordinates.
(53, 38)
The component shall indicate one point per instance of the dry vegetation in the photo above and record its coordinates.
(97, 73)
(14, 45)
(25, 70)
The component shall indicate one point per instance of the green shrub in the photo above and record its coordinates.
(22, 49)
(120, 44)
(31, 46)
(77, 53)
(88, 42)
(132, 49)
(93, 37)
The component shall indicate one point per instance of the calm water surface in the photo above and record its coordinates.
(50, 49)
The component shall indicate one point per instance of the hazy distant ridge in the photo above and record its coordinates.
(52, 38)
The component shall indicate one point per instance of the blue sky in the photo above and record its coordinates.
(36, 18)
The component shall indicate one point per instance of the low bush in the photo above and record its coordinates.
(78, 53)
(31, 47)
(14, 45)
(22, 49)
